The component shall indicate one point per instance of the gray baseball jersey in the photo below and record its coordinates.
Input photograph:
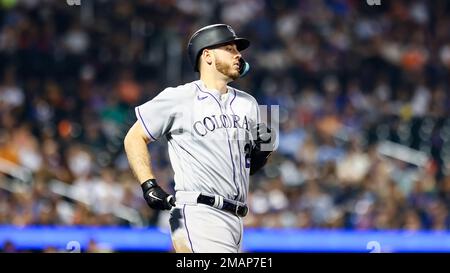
(208, 136)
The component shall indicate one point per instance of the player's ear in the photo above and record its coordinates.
(207, 56)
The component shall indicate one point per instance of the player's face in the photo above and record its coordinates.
(227, 60)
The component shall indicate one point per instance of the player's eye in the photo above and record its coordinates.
(230, 48)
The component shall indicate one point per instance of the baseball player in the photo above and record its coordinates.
(215, 141)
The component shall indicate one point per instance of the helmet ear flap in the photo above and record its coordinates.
(244, 67)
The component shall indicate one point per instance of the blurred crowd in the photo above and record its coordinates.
(347, 77)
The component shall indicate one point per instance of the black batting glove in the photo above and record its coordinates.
(259, 155)
(156, 197)
(262, 134)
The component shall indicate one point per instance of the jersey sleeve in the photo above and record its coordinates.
(158, 114)
(255, 113)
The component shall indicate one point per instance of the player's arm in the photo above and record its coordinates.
(263, 140)
(262, 148)
(135, 144)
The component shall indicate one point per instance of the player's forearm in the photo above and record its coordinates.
(138, 158)
(258, 160)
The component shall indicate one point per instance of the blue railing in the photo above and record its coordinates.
(255, 240)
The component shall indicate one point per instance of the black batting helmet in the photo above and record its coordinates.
(215, 35)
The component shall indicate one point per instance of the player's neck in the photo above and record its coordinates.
(216, 84)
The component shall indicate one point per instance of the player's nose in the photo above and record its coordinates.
(238, 55)
(236, 51)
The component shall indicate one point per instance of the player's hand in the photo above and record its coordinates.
(262, 134)
(264, 139)
(156, 197)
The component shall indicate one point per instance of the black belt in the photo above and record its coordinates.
(238, 210)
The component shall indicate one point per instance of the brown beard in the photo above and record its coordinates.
(227, 70)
